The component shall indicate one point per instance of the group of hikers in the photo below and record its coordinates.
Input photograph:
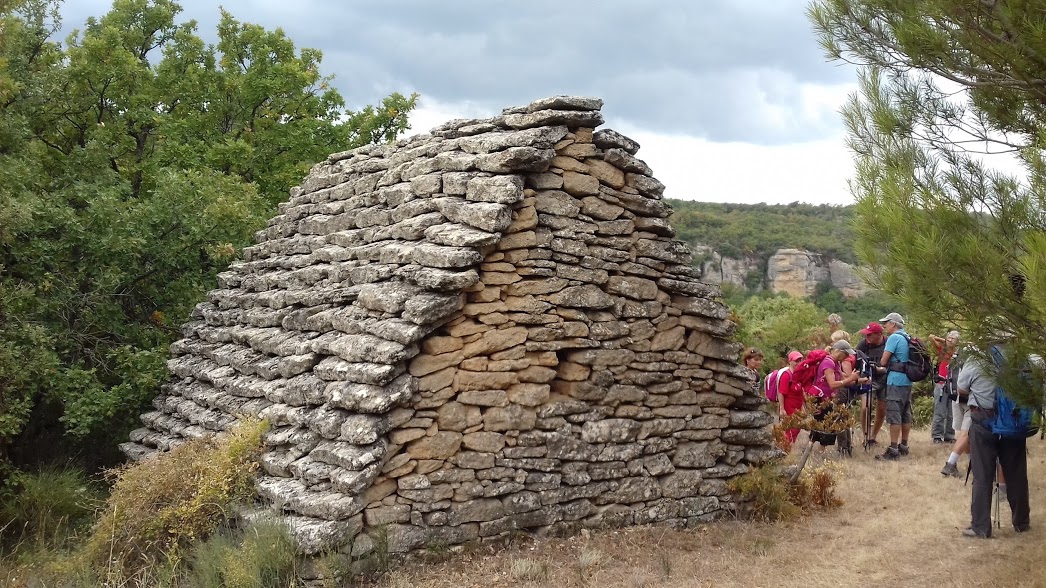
(879, 373)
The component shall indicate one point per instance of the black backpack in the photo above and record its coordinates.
(919, 364)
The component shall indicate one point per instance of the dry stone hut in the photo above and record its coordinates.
(479, 330)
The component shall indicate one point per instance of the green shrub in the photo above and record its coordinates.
(160, 507)
(261, 556)
(922, 411)
(48, 508)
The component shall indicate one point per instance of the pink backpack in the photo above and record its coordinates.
(770, 385)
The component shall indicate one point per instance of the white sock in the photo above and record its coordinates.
(953, 458)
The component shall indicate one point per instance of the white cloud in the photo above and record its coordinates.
(696, 169)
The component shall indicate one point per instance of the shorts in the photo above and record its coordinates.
(961, 419)
(899, 405)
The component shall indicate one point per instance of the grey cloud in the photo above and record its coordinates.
(711, 68)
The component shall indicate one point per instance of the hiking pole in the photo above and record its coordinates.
(998, 523)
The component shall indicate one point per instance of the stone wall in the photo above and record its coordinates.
(480, 330)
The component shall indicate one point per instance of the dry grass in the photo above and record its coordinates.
(899, 525)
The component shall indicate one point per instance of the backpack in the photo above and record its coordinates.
(770, 385)
(1010, 420)
(806, 371)
(919, 364)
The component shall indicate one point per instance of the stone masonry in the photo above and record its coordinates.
(483, 329)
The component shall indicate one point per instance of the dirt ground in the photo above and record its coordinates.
(899, 525)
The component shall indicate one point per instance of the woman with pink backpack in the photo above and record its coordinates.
(778, 388)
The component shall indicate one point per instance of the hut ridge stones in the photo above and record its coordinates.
(474, 331)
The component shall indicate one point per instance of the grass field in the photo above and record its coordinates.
(899, 525)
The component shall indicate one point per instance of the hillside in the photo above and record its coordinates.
(758, 230)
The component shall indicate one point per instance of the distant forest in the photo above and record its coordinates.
(758, 230)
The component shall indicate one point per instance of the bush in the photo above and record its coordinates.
(768, 492)
(922, 411)
(261, 556)
(161, 506)
(48, 508)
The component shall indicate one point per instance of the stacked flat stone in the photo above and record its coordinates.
(483, 329)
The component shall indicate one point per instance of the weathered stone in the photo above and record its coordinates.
(580, 184)
(558, 203)
(497, 189)
(484, 441)
(442, 445)
(610, 139)
(586, 296)
(610, 430)
(606, 172)
(517, 160)
(510, 418)
(637, 288)
(528, 394)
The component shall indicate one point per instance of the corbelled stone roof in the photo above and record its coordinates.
(460, 333)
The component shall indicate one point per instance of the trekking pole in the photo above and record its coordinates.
(998, 523)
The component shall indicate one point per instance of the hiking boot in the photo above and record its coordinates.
(890, 454)
(951, 469)
(902, 449)
(969, 532)
(1025, 529)
(937, 440)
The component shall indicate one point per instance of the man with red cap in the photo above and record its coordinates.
(872, 346)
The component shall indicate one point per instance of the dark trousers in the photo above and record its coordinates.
(1012, 454)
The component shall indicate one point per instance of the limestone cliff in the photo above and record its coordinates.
(794, 271)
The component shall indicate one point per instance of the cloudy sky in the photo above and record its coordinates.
(732, 100)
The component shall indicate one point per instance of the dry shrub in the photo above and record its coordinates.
(780, 440)
(768, 493)
(160, 507)
(822, 483)
(771, 497)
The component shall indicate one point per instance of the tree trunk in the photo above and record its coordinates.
(802, 463)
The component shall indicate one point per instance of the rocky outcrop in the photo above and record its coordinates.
(716, 269)
(485, 329)
(794, 271)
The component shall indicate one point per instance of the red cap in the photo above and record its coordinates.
(871, 328)
(795, 356)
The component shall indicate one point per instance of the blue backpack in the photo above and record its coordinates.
(1010, 420)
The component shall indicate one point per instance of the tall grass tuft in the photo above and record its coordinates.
(48, 509)
(261, 556)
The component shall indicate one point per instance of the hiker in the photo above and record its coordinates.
(828, 381)
(961, 419)
(873, 345)
(822, 337)
(987, 450)
(898, 386)
(791, 397)
(753, 360)
(941, 429)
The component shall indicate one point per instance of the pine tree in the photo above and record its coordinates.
(948, 88)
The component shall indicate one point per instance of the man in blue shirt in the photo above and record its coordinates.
(898, 386)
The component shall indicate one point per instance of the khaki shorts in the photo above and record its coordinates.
(961, 419)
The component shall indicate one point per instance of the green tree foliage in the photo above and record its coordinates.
(941, 82)
(778, 325)
(856, 312)
(759, 230)
(135, 161)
